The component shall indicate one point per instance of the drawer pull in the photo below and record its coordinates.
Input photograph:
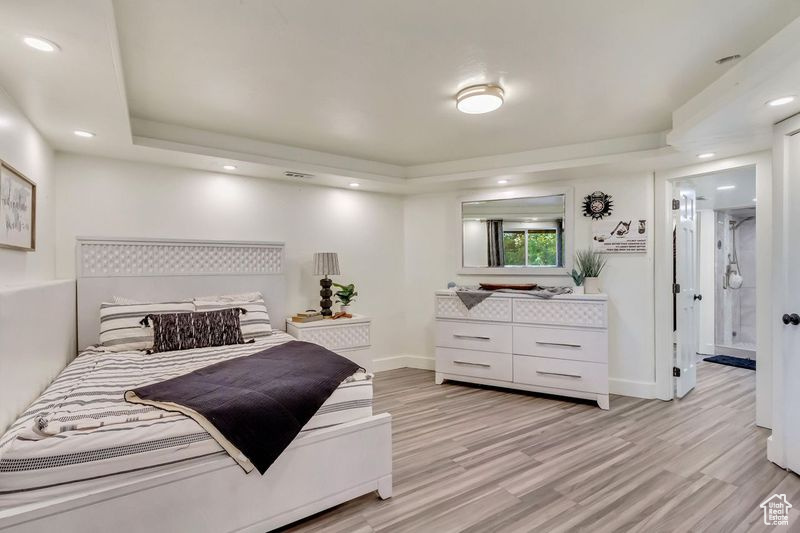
(477, 337)
(559, 374)
(567, 344)
(482, 365)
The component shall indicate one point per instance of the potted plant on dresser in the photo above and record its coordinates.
(577, 277)
(590, 264)
(345, 296)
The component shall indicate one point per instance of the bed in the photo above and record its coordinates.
(82, 459)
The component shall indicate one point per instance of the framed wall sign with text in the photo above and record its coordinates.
(17, 210)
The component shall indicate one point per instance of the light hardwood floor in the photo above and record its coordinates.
(477, 459)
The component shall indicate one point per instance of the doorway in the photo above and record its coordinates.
(725, 297)
(714, 303)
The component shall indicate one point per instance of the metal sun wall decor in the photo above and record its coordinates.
(597, 205)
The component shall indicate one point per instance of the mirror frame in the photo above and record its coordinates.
(508, 193)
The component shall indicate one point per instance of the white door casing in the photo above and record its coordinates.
(784, 447)
(686, 277)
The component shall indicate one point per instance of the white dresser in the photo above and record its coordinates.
(557, 346)
(349, 337)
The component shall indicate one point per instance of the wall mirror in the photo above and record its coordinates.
(523, 232)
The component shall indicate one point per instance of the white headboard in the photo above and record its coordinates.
(163, 270)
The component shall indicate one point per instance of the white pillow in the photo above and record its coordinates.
(120, 330)
(254, 323)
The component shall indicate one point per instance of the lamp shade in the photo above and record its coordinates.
(326, 264)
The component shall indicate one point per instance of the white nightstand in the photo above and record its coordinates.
(349, 337)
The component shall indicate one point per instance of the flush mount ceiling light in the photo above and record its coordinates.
(354, 185)
(502, 182)
(726, 187)
(479, 99)
(83, 133)
(229, 167)
(38, 43)
(783, 100)
(706, 155)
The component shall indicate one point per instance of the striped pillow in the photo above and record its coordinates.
(120, 330)
(255, 323)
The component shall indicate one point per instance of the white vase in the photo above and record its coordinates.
(592, 285)
(344, 309)
(577, 290)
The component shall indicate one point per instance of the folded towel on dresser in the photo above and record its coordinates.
(472, 297)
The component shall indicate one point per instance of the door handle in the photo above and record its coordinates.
(698, 297)
(476, 337)
(793, 319)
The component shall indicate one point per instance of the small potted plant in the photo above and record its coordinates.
(590, 264)
(345, 296)
(577, 277)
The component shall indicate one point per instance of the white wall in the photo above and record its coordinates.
(476, 243)
(23, 148)
(431, 259)
(113, 198)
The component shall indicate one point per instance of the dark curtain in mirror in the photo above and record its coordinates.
(495, 233)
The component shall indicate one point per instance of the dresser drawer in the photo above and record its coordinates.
(491, 309)
(562, 343)
(582, 313)
(473, 336)
(561, 374)
(488, 365)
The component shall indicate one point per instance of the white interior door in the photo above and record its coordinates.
(686, 277)
(787, 370)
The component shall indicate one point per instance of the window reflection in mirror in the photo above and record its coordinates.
(514, 232)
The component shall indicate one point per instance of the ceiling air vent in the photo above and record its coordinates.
(301, 175)
(727, 59)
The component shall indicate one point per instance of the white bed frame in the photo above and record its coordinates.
(318, 470)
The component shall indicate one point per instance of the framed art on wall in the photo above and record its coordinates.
(17, 210)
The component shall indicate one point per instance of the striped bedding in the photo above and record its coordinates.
(82, 427)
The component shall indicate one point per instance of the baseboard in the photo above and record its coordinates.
(636, 389)
(402, 361)
(774, 452)
(708, 349)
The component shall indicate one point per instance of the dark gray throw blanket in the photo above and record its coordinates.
(254, 406)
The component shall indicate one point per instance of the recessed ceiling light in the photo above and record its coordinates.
(354, 185)
(43, 45)
(502, 182)
(83, 133)
(783, 100)
(479, 99)
(229, 167)
(726, 187)
(706, 155)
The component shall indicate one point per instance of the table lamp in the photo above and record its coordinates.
(326, 264)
